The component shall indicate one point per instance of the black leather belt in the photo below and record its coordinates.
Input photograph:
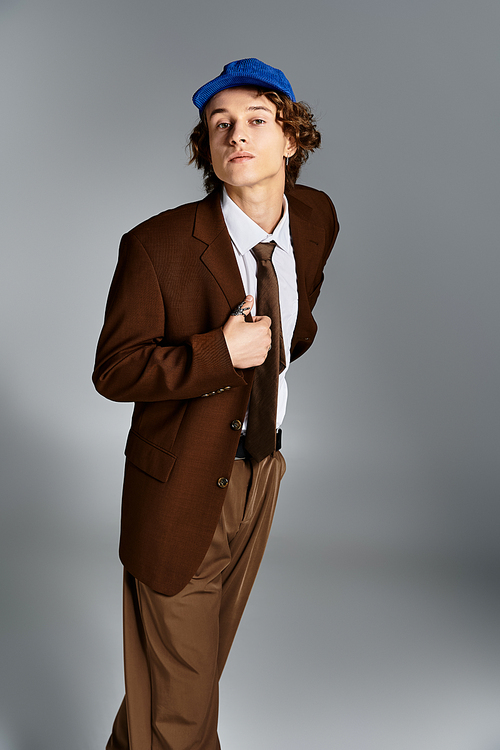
(242, 451)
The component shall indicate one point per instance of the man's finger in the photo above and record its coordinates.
(262, 318)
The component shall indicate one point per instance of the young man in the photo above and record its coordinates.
(208, 305)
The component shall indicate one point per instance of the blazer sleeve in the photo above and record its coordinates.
(134, 362)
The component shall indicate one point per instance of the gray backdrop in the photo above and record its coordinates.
(374, 622)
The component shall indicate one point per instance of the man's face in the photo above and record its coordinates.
(247, 145)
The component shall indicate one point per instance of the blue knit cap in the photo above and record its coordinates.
(249, 72)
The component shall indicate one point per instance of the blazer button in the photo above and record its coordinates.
(236, 424)
(222, 482)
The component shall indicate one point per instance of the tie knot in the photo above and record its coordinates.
(264, 250)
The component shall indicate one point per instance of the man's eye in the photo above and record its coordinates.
(222, 125)
(259, 121)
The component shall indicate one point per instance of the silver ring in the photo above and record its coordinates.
(240, 310)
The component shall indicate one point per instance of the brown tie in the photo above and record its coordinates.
(260, 439)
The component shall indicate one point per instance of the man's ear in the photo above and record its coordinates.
(291, 146)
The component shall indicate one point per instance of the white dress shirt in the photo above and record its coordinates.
(245, 234)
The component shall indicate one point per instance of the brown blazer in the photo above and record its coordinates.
(162, 346)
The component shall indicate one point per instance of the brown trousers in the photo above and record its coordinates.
(175, 647)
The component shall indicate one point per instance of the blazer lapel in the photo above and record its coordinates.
(219, 259)
(218, 256)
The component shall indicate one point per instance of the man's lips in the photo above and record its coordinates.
(241, 156)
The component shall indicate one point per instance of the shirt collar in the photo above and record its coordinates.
(245, 233)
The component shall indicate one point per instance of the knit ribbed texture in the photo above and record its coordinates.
(248, 72)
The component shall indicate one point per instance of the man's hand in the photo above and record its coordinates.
(248, 343)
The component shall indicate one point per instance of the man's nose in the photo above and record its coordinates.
(239, 134)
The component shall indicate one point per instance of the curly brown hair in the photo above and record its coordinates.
(297, 121)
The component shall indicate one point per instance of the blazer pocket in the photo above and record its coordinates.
(150, 458)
